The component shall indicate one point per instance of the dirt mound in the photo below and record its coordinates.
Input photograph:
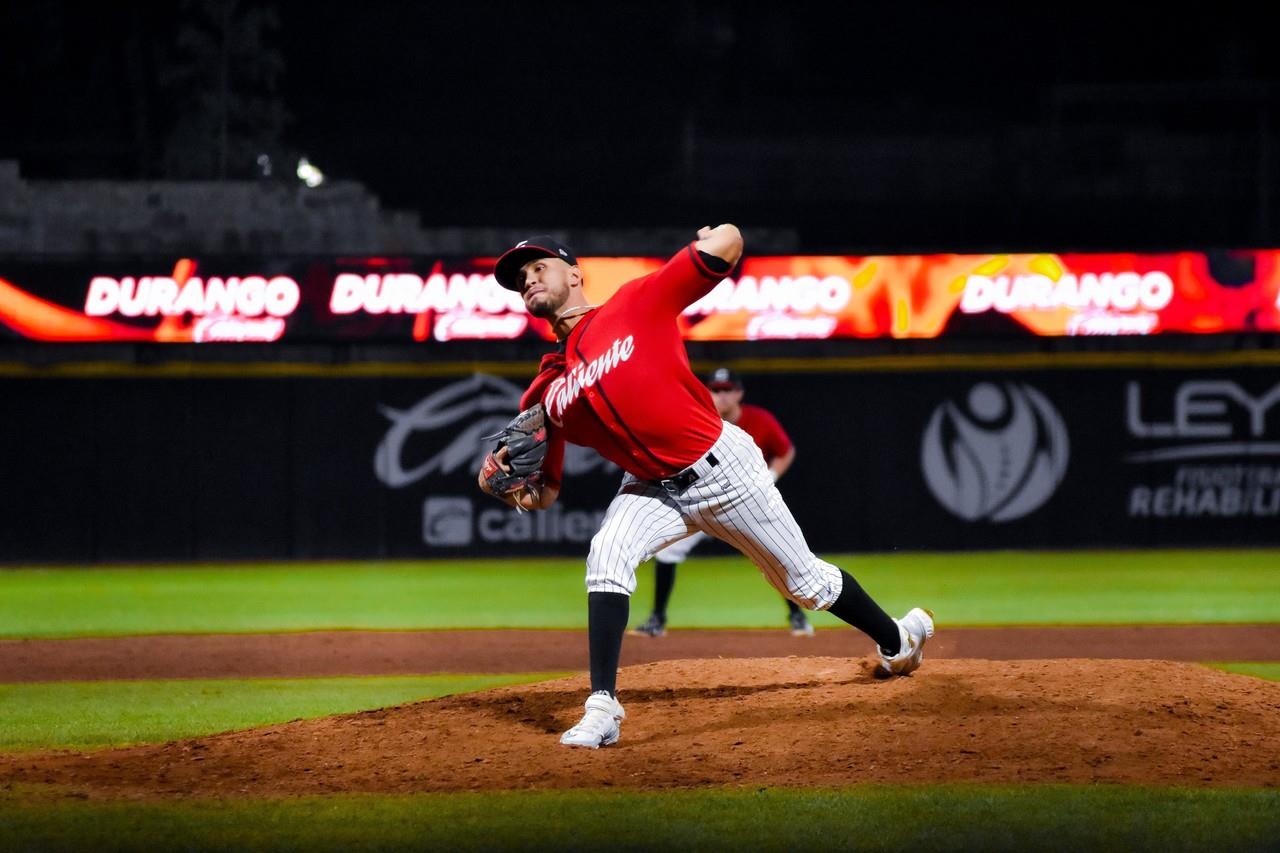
(770, 721)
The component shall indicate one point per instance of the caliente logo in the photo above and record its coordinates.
(997, 458)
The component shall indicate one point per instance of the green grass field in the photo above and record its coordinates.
(1269, 671)
(1010, 588)
(1003, 588)
(93, 714)
(876, 818)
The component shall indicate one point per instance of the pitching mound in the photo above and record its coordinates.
(769, 721)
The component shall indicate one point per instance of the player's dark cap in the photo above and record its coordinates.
(508, 269)
(724, 379)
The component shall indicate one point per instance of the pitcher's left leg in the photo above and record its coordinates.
(743, 507)
(739, 504)
(759, 524)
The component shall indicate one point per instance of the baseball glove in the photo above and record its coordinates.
(516, 460)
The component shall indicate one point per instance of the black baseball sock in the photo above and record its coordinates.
(792, 607)
(856, 607)
(664, 580)
(606, 623)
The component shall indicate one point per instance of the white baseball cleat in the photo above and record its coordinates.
(599, 725)
(914, 629)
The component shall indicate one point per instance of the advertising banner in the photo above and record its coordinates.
(136, 469)
(418, 299)
(1051, 459)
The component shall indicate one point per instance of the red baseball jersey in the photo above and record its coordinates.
(764, 428)
(623, 385)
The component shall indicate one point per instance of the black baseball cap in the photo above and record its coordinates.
(723, 377)
(507, 270)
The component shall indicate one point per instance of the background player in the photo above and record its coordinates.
(621, 384)
(774, 443)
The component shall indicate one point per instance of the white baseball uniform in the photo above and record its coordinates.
(732, 498)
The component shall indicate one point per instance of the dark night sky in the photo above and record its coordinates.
(512, 113)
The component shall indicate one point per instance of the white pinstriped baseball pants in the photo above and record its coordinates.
(678, 551)
(735, 501)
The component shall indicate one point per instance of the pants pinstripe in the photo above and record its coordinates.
(735, 501)
(678, 551)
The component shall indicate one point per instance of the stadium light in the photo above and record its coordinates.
(309, 174)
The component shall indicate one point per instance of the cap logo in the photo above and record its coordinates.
(563, 252)
(521, 243)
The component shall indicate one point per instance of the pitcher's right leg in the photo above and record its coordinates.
(641, 520)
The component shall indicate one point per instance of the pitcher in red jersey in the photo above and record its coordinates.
(620, 383)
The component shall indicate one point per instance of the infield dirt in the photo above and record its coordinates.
(328, 653)
(756, 721)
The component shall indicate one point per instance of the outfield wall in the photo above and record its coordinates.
(318, 464)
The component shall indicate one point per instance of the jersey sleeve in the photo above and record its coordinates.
(680, 282)
(553, 464)
(551, 366)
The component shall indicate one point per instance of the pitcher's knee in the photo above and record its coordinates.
(611, 585)
(817, 587)
(609, 574)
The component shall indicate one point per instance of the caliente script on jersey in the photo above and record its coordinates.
(565, 389)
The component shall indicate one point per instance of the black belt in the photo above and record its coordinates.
(686, 478)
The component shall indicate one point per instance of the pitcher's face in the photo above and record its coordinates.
(546, 285)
